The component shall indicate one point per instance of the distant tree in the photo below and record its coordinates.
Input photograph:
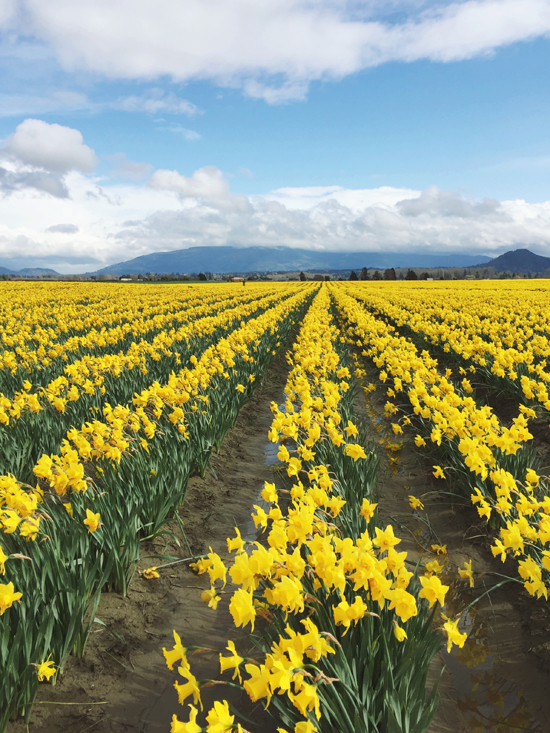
(389, 274)
(424, 276)
(353, 275)
(376, 275)
(411, 275)
(327, 278)
(202, 276)
(303, 277)
(364, 274)
(318, 277)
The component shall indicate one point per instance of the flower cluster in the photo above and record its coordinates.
(472, 437)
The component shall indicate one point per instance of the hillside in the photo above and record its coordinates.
(28, 272)
(520, 260)
(278, 259)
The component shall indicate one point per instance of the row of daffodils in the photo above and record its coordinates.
(501, 333)
(44, 325)
(345, 633)
(496, 464)
(37, 417)
(116, 480)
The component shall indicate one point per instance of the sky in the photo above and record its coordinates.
(355, 125)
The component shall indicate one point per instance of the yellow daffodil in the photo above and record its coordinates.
(415, 503)
(92, 520)
(433, 590)
(8, 596)
(467, 573)
(241, 607)
(45, 670)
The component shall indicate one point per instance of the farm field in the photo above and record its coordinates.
(340, 488)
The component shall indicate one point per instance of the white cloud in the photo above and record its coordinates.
(7, 11)
(13, 179)
(434, 202)
(63, 228)
(15, 105)
(49, 100)
(49, 146)
(356, 200)
(156, 101)
(205, 183)
(114, 221)
(246, 172)
(272, 49)
(131, 170)
(185, 132)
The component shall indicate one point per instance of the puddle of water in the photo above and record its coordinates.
(249, 530)
(488, 701)
(479, 699)
(271, 450)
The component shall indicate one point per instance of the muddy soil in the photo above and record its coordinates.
(499, 681)
(122, 684)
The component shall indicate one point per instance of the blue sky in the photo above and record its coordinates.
(303, 124)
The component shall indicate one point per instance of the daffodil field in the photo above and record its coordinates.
(112, 396)
(75, 510)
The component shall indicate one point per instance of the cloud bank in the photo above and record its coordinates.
(271, 49)
(54, 211)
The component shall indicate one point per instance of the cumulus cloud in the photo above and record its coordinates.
(38, 156)
(50, 146)
(327, 224)
(272, 49)
(434, 202)
(173, 211)
(63, 228)
(205, 183)
(43, 181)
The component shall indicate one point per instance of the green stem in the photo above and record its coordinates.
(494, 587)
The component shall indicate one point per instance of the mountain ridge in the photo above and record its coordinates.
(28, 271)
(228, 259)
(520, 260)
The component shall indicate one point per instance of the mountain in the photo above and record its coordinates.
(35, 272)
(28, 272)
(520, 260)
(278, 259)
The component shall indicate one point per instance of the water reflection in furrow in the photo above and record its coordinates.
(484, 700)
